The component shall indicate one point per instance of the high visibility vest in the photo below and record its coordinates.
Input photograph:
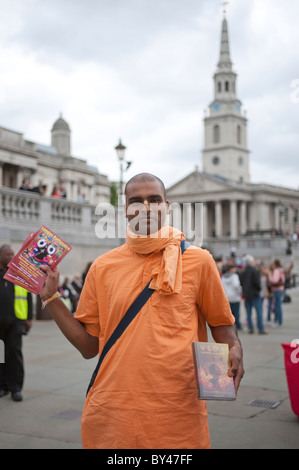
(21, 303)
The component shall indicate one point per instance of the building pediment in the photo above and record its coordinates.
(197, 183)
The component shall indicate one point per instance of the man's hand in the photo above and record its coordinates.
(51, 284)
(237, 370)
(227, 334)
(28, 324)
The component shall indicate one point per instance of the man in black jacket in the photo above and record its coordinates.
(11, 331)
(251, 286)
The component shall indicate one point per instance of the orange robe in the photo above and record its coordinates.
(145, 394)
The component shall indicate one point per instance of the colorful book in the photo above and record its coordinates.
(42, 248)
(211, 361)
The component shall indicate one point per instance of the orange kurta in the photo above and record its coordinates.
(145, 393)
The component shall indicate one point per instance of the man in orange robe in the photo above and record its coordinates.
(144, 395)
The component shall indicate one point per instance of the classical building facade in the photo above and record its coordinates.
(232, 206)
(50, 165)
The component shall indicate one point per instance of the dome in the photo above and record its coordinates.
(61, 125)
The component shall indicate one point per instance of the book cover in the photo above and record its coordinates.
(211, 362)
(41, 248)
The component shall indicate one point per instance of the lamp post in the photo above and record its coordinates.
(120, 150)
(121, 221)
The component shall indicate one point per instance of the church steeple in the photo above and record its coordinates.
(225, 78)
(225, 150)
(225, 62)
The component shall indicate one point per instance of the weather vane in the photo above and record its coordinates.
(224, 6)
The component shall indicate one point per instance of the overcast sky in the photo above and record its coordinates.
(141, 70)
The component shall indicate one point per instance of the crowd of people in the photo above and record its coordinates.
(261, 287)
(70, 290)
(58, 191)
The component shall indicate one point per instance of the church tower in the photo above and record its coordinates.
(225, 152)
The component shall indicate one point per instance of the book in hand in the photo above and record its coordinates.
(42, 248)
(211, 361)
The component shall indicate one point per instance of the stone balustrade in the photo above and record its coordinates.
(22, 212)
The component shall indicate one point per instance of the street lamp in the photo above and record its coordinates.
(120, 150)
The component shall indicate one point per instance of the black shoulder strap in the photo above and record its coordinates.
(131, 313)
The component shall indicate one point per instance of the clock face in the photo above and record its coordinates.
(216, 106)
(216, 160)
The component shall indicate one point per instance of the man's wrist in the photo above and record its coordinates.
(45, 302)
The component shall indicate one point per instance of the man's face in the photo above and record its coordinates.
(146, 207)
(6, 256)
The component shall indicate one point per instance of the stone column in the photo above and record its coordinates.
(218, 219)
(264, 216)
(291, 218)
(205, 231)
(233, 219)
(20, 176)
(276, 217)
(74, 193)
(243, 218)
(187, 221)
(198, 217)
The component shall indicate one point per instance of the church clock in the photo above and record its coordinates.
(217, 105)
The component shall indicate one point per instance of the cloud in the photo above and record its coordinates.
(143, 71)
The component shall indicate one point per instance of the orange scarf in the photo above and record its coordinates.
(167, 278)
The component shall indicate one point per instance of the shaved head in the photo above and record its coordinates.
(6, 255)
(144, 177)
(146, 204)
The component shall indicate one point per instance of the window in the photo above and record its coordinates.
(216, 132)
(216, 161)
(219, 87)
(226, 86)
(240, 161)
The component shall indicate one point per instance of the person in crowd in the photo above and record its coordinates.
(77, 283)
(26, 186)
(219, 264)
(70, 293)
(62, 191)
(232, 286)
(145, 394)
(40, 189)
(266, 294)
(82, 197)
(277, 284)
(251, 287)
(55, 192)
(15, 321)
(84, 274)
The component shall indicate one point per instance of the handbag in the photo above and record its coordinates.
(131, 313)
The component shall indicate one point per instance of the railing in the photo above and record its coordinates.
(18, 205)
(66, 212)
(25, 211)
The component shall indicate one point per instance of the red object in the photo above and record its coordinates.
(291, 360)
